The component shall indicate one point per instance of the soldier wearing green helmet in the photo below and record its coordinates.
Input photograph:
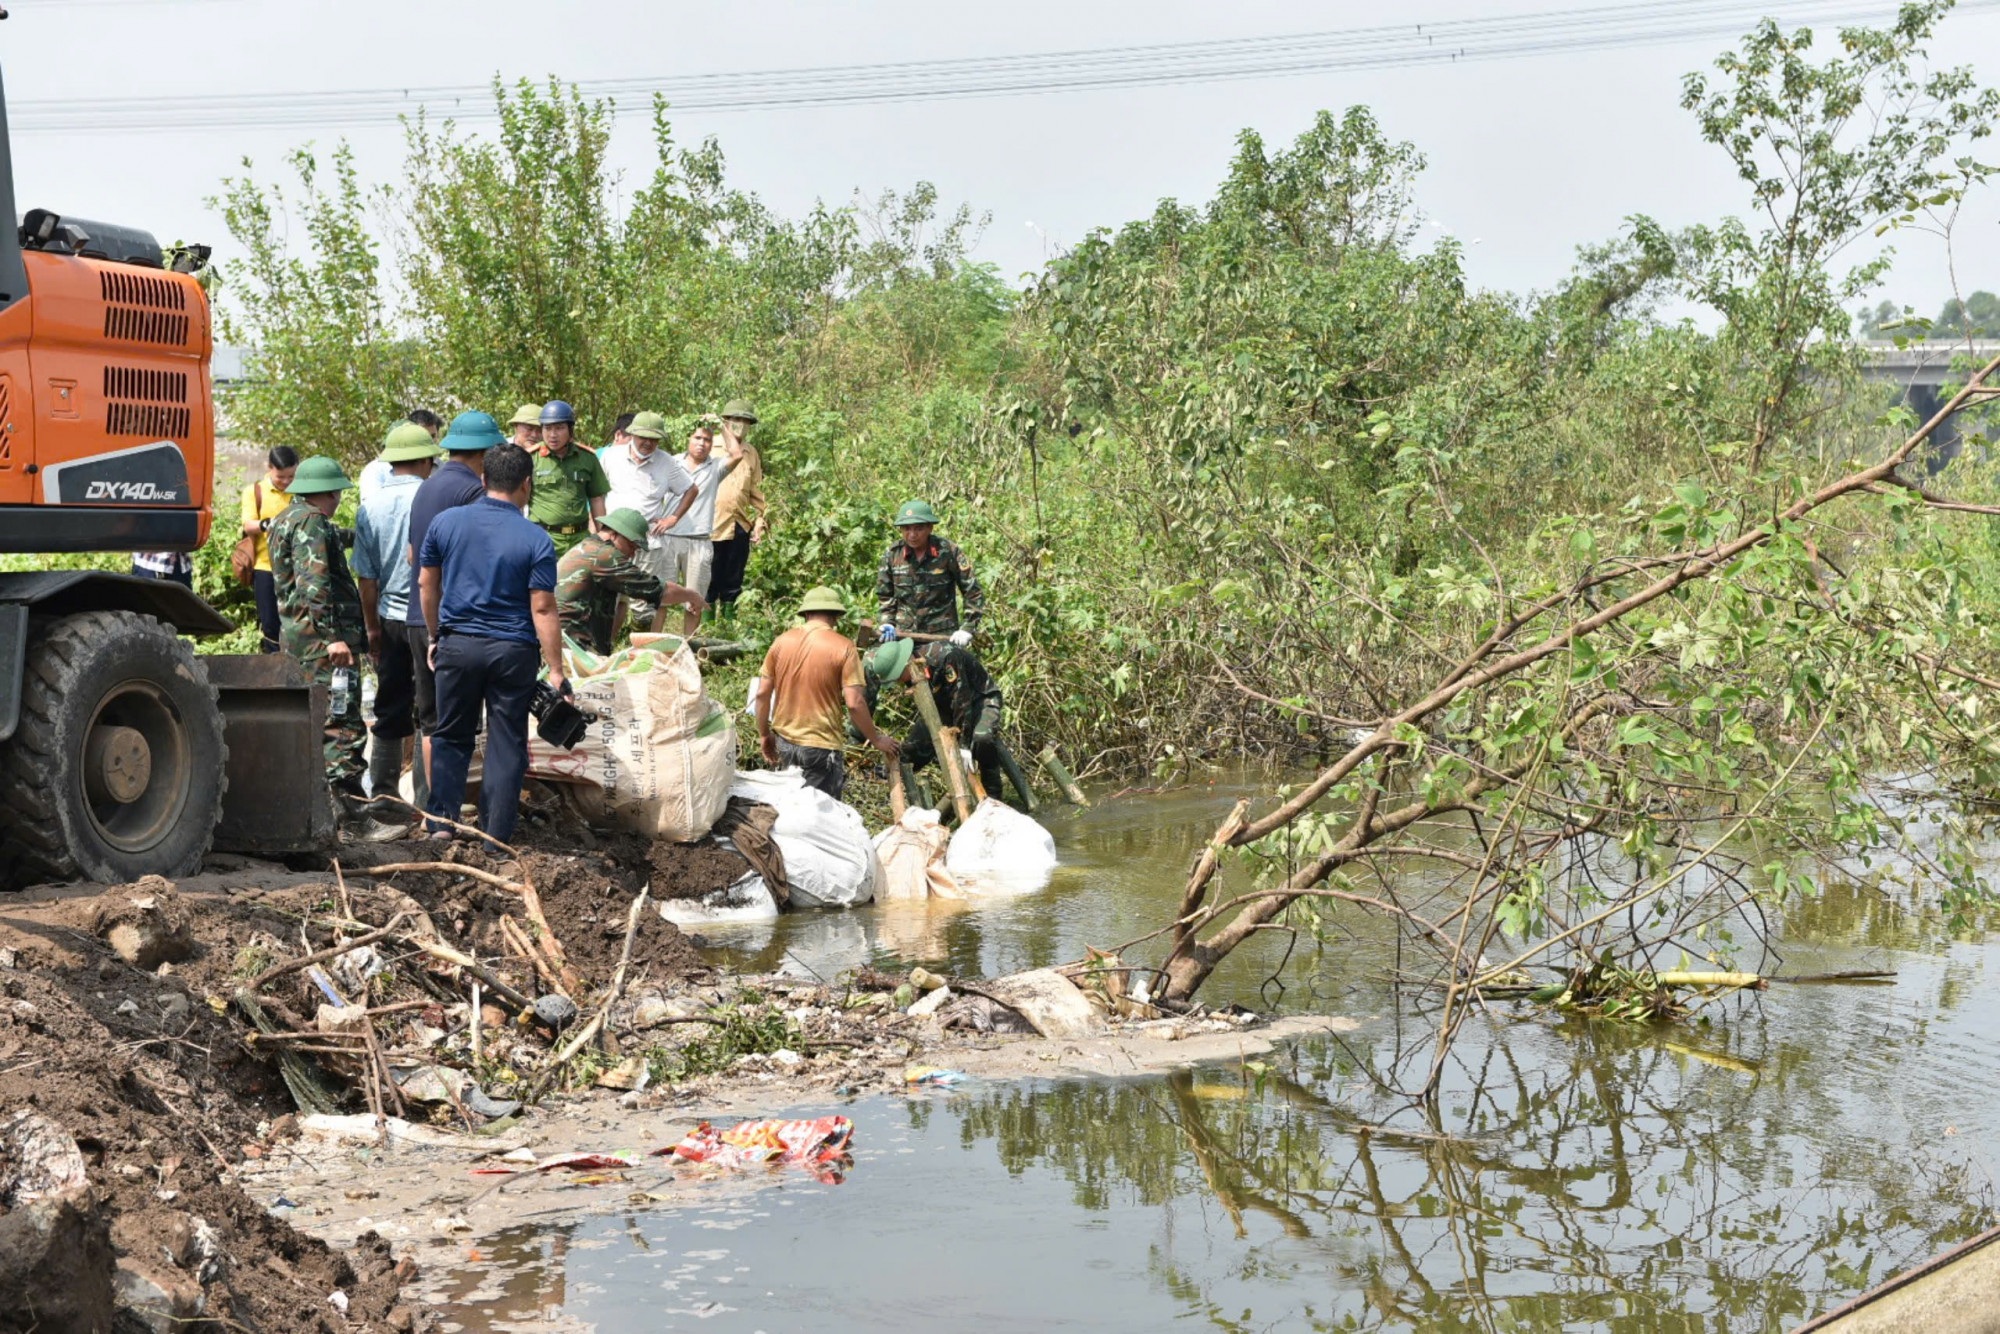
(923, 579)
(319, 613)
(599, 570)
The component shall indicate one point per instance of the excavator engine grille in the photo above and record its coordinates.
(139, 309)
(145, 402)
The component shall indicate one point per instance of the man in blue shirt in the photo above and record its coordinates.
(382, 565)
(487, 585)
(456, 483)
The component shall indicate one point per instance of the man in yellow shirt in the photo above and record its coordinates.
(740, 508)
(810, 685)
(263, 501)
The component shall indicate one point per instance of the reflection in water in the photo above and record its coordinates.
(1735, 1174)
(1630, 1186)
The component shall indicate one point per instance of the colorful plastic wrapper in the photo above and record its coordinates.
(822, 1145)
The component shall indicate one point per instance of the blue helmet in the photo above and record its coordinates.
(558, 411)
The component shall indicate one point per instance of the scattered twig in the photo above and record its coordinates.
(271, 975)
(590, 1030)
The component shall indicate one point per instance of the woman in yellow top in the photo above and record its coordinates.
(264, 501)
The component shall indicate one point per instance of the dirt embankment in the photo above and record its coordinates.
(121, 1034)
(125, 1054)
(162, 1045)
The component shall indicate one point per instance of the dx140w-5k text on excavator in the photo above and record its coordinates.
(122, 752)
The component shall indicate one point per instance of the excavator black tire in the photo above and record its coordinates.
(115, 770)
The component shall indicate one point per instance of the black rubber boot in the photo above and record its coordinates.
(385, 771)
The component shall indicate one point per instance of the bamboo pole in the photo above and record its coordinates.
(979, 791)
(899, 800)
(927, 709)
(1072, 793)
(1016, 775)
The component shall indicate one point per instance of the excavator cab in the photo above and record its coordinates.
(122, 752)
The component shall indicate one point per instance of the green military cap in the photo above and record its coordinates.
(915, 511)
(321, 474)
(886, 663)
(528, 414)
(822, 599)
(740, 408)
(407, 442)
(648, 426)
(627, 523)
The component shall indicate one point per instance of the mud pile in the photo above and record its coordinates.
(128, 1102)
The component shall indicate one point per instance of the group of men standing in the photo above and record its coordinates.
(451, 598)
(474, 555)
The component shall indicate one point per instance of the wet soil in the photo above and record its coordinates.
(162, 1099)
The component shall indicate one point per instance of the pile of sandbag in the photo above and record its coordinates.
(829, 861)
(659, 756)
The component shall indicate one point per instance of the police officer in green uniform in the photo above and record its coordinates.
(319, 613)
(570, 485)
(599, 570)
(922, 581)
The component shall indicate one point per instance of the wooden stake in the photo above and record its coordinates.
(971, 775)
(899, 800)
(1067, 785)
(927, 709)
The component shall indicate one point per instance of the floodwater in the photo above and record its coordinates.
(1742, 1174)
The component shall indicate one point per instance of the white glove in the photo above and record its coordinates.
(887, 633)
(961, 638)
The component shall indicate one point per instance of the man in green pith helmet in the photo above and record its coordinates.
(966, 696)
(319, 612)
(570, 484)
(526, 424)
(922, 580)
(810, 686)
(741, 512)
(599, 570)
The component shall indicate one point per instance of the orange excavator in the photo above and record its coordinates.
(122, 752)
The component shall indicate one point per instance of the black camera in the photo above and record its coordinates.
(557, 719)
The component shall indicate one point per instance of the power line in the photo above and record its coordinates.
(1158, 65)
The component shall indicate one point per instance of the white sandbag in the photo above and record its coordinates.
(1000, 850)
(828, 859)
(911, 853)
(746, 900)
(660, 751)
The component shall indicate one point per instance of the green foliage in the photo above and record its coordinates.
(749, 1026)
(323, 371)
(1831, 151)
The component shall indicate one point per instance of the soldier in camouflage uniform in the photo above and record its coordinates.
(921, 582)
(599, 570)
(319, 608)
(966, 696)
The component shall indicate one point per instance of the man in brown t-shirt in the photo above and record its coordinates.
(812, 684)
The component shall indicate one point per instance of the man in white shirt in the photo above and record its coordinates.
(689, 544)
(646, 478)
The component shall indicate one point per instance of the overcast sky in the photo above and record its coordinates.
(1529, 157)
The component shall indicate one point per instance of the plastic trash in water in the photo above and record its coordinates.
(822, 1145)
(933, 1076)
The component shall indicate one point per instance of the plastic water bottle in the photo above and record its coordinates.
(343, 682)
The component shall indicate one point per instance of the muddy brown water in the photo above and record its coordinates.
(1736, 1175)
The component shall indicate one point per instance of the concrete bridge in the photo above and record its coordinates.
(1928, 372)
